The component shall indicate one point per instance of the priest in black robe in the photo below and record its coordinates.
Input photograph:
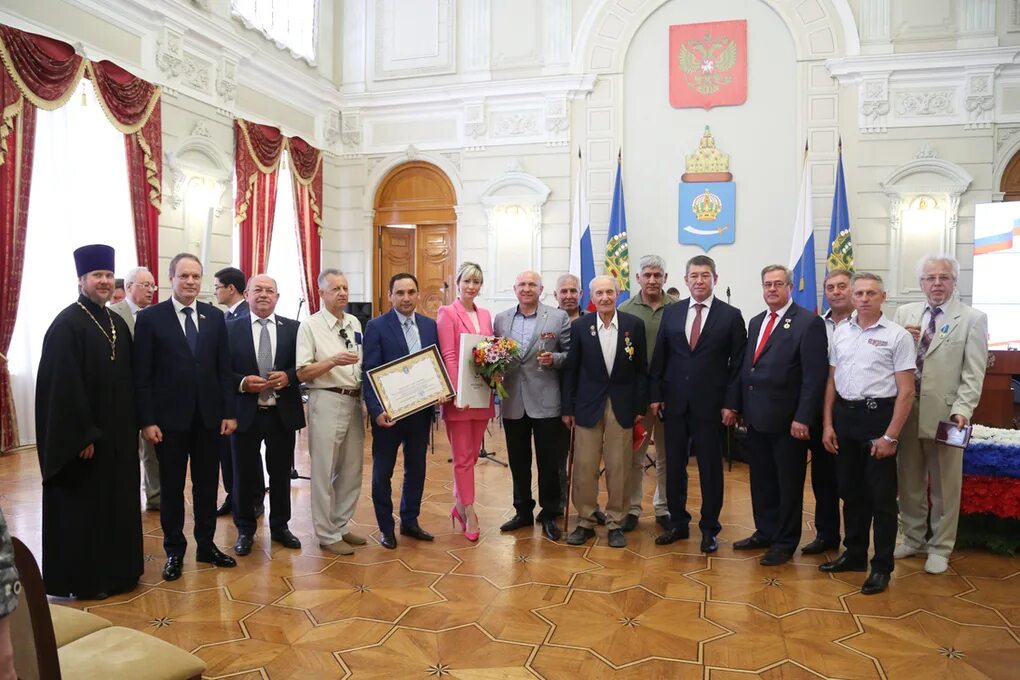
(88, 442)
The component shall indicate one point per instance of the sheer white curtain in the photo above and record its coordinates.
(79, 195)
(284, 262)
(291, 24)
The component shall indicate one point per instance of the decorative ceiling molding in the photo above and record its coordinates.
(952, 87)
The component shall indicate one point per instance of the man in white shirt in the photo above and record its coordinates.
(868, 396)
(140, 287)
(329, 363)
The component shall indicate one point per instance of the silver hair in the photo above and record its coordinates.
(778, 268)
(651, 262)
(616, 284)
(326, 273)
(866, 276)
(935, 258)
(132, 274)
(560, 282)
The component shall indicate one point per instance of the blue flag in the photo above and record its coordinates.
(840, 250)
(617, 262)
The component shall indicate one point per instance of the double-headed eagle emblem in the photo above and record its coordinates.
(706, 63)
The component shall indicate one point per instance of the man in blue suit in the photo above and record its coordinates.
(394, 335)
(695, 385)
(605, 392)
(782, 384)
(262, 351)
(185, 393)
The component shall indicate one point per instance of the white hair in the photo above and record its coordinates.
(616, 284)
(325, 274)
(132, 274)
(938, 258)
(651, 262)
(567, 277)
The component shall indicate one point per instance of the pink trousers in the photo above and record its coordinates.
(465, 441)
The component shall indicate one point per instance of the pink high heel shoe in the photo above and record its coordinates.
(455, 517)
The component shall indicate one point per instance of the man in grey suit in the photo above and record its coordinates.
(532, 408)
(140, 287)
(952, 353)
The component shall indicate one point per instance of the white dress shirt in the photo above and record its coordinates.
(692, 312)
(780, 313)
(866, 360)
(608, 336)
(178, 306)
(233, 308)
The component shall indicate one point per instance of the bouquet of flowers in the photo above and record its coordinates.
(493, 357)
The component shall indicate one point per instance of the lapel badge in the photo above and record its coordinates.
(944, 331)
(593, 333)
(201, 317)
(786, 324)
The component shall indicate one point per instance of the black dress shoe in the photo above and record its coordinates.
(709, 544)
(102, 595)
(416, 532)
(213, 555)
(774, 557)
(752, 543)
(516, 522)
(225, 508)
(286, 539)
(671, 536)
(580, 536)
(243, 545)
(550, 530)
(629, 522)
(260, 510)
(172, 570)
(844, 563)
(388, 541)
(664, 521)
(600, 518)
(875, 583)
(818, 546)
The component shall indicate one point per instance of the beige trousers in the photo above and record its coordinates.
(611, 444)
(336, 441)
(635, 487)
(919, 461)
(150, 472)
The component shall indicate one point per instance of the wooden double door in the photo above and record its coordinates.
(428, 251)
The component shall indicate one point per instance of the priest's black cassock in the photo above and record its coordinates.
(92, 526)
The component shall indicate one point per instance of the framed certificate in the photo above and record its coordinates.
(412, 383)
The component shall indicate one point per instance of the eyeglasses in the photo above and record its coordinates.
(146, 286)
(941, 278)
(774, 284)
(346, 339)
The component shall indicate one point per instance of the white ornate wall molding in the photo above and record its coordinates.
(469, 116)
(976, 19)
(556, 27)
(380, 167)
(477, 16)
(958, 87)
(434, 50)
(924, 205)
(513, 209)
(875, 22)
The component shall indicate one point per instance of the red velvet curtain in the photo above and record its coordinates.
(38, 72)
(133, 107)
(41, 72)
(306, 162)
(257, 152)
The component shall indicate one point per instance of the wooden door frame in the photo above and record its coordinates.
(438, 208)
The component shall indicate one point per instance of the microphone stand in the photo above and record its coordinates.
(729, 430)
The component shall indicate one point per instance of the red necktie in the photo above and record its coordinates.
(696, 325)
(765, 336)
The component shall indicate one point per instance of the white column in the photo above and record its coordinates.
(976, 19)
(874, 26)
(556, 26)
(355, 28)
(476, 36)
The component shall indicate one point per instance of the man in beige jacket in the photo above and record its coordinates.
(952, 353)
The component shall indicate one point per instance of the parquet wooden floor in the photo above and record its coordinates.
(519, 606)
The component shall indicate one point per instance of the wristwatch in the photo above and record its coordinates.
(891, 440)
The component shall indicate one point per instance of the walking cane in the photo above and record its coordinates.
(570, 478)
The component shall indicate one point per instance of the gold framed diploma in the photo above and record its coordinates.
(412, 383)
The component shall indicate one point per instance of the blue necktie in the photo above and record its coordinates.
(411, 335)
(190, 330)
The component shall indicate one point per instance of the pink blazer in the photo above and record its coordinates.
(452, 320)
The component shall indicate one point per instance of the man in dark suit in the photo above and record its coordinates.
(269, 409)
(605, 392)
(695, 386)
(228, 287)
(394, 335)
(782, 383)
(185, 393)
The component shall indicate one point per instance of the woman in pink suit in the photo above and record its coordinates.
(465, 427)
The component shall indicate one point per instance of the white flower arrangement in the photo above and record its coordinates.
(995, 435)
